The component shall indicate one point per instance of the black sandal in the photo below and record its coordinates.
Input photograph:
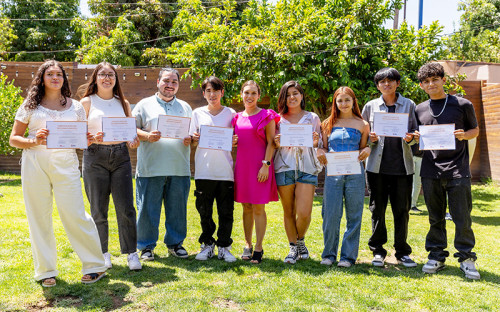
(257, 257)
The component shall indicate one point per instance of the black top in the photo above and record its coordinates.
(392, 156)
(447, 163)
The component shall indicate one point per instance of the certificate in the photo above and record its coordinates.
(218, 138)
(296, 135)
(173, 127)
(343, 163)
(118, 129)
(437, 137)
(390, 124)
(67, 134)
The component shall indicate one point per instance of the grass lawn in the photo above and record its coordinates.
(170, 284)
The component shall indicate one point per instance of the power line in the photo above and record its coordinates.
(113, 16)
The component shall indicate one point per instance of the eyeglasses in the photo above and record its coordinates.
(110, 76)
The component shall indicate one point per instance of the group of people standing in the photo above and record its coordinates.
(262, 170)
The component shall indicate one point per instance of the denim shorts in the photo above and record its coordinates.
(289, 177)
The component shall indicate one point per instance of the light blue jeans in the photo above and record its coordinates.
(150, 191)
(350, 188)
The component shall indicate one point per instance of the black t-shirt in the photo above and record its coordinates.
(447, 163)
(392, 156)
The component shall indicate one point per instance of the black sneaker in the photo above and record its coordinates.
(407, 262)
(414, 208)
(178, 251)
(301, 247)
(147, 255)
(292, 255)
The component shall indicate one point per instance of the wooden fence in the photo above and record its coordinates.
(491, 149)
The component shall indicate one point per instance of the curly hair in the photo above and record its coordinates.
(282, 107)
(431, 69)
(117, 90)
(329, 122)
(37, 88)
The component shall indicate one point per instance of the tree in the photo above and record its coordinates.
(33, 34)
(479, 36)
(323, 44)
(6, 37)
(10, 100)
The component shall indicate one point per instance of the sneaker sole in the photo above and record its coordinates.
(290, 261)
(432, 271)
(147, 258)
(407, 265)
(177, 256)
(378, 264)
(210, 257)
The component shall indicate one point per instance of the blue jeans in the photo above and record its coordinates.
(150, 191)
(350, 188)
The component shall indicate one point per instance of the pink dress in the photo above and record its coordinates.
(249, 156)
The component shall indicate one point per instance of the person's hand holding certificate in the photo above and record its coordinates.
(343, 163)
(119, 129)
(296, 135)
(173, 127)
(67, 134)
(437, 137)
(390, 124)
(217, 138)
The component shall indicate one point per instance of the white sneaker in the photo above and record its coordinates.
(225, 254)
(107, 260)
(133, 262)
(469, 268)
(432, 266)
(207, 252)
(344, 264)
(326, 261)
(378, 261)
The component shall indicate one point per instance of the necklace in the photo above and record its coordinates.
(444, 106)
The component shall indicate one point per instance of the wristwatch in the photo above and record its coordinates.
(266, 162)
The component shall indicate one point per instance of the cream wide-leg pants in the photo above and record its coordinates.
(43, 171)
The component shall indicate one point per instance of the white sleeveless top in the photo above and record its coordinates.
(102, 108)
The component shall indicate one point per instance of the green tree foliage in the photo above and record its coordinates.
(323, 44)
(479, 36)
(10, 100)
(6, 37)
(32, 34)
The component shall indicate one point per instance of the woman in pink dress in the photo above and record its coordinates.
(254, 180)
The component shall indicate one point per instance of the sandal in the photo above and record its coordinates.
(92, 277)
(49, 282)
(247, 253)
(257, 257)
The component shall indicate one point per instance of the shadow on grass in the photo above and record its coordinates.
(493, 220)
(10, 182)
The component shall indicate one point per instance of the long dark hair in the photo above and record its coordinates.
(329, 122)
(37, 88)
(117, 90)
(282, 108)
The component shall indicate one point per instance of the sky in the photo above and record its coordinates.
(445, 11)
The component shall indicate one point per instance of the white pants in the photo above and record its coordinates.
(45, 170)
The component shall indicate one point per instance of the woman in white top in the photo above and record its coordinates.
(106, 165)
(297, 170)
(44, 171)
(213, 175)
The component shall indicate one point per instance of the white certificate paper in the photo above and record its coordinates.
(296, 135)
(118, 129)
(343, 163)
(173, 127)
(218, 138)
(437, 137)
(390, 124)
(67, 134)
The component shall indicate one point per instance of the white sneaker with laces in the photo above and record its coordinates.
(207, 252)
(133, 262)
(344, 264)
(469, 268)
(326, 261)
(432, 266)
(107, 260)
(225, 254)
(378, 261)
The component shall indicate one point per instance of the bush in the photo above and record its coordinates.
(10, 100)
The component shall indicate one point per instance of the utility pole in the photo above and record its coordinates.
(420, 13)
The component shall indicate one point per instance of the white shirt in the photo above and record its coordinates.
(102, 108)
(212, 164)
(299, 158)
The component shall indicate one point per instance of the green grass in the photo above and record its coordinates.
(170, 284)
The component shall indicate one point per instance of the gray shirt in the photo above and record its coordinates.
(403, 105)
